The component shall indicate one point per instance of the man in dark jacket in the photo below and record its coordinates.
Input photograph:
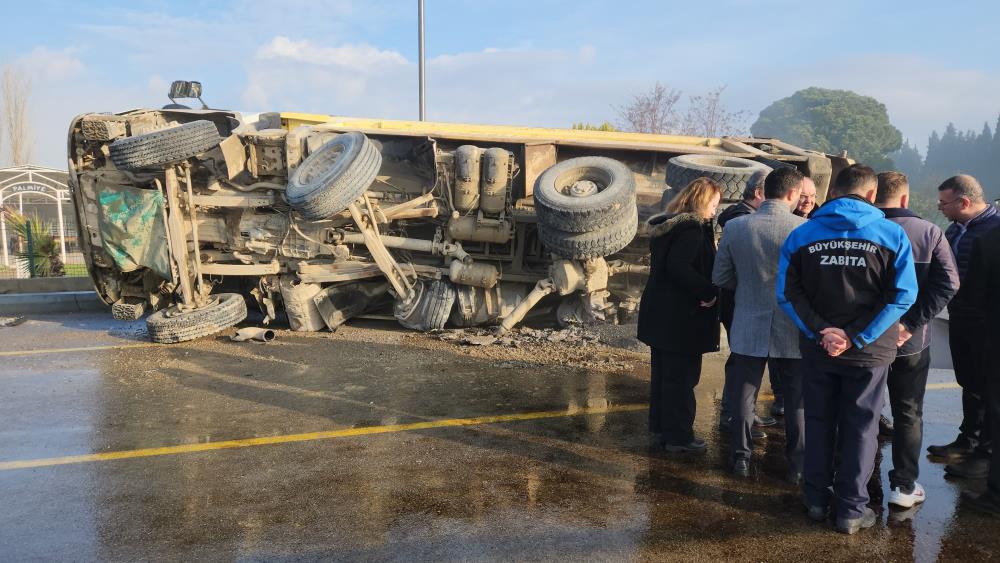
(753, 195)
(983, 291)
(937, 282)
(960, 199)
(845, 277)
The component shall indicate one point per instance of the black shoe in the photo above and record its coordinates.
(959, 448)
(696, 445)
(852, 525)
(741, 467)
(985, 503)
(793, 477)
(885, 429)
(970, 468)
(816, 513)
(764, 421)
(777, 407)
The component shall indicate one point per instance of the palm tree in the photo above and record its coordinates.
(44, 255)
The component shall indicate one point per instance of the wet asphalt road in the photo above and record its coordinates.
(569, 483)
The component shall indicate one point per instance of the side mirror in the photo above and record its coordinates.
(186, 89)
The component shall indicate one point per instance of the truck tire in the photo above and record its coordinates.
(153, 150)
(597, 205)
(170, 325)
(331, 178)
(592, 244)
(730, 172)
(431, 307)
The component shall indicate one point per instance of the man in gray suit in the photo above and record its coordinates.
(747, 262)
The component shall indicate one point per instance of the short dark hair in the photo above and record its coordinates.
(891, 185)
(964, 186)
(754, 183)
(781, 182)
(854, 179)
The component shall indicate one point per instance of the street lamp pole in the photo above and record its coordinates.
(420, 38)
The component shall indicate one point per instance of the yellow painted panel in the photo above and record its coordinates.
(292, 120)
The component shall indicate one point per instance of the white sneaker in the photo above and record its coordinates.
(899, 498)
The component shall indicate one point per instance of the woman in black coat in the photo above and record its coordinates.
(678, 314)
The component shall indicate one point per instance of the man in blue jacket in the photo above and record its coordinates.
(960, 199)
(845, 278)
(937, 280)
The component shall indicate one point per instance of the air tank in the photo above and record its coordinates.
(493, 197)
(466, 191)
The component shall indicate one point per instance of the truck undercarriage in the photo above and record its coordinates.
(328, 218)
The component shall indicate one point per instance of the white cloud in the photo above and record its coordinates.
(46, 65)
(356, 57)
(492, 85)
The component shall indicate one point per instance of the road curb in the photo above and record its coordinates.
(56, 302)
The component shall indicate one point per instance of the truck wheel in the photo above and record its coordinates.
(153, 150)
(171, 325)
(592, 244)
(583, 194)
(730, 172)
(331, 178)
(430, 308)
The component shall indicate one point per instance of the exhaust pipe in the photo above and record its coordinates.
(253, 333)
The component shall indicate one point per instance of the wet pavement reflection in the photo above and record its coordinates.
(578, 486)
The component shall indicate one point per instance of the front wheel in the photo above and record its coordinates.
(173, 324)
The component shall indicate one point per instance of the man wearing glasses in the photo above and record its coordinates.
(960, 199)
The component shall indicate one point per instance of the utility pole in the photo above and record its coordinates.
(420, 40)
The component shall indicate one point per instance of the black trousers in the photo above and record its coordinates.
(967, 340)
(743, 379)
(907, 382)
(777, 378)
(992, 397)
(672, 404)
(773, 371)
(842, 404)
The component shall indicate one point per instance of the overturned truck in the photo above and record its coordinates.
(188, 215)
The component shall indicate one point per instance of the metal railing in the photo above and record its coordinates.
(23, 259)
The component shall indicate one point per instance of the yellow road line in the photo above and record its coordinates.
(951, 385)
(80, 349)
(310, 436)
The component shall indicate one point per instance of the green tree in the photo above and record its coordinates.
(44, 256)
(591, 127)
(908, 161)
(832, 121)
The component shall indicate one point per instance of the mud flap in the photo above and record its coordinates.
(132, 229)
(339, 303)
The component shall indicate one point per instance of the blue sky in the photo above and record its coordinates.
(542, 63)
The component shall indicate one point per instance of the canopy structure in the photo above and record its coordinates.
(29, 185)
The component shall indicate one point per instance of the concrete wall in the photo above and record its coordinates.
(46, 285)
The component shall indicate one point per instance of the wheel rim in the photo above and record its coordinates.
(318, 167)
(176, 311)
(583, 188)
(583, 182)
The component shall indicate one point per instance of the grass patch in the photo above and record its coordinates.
(75, 270)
